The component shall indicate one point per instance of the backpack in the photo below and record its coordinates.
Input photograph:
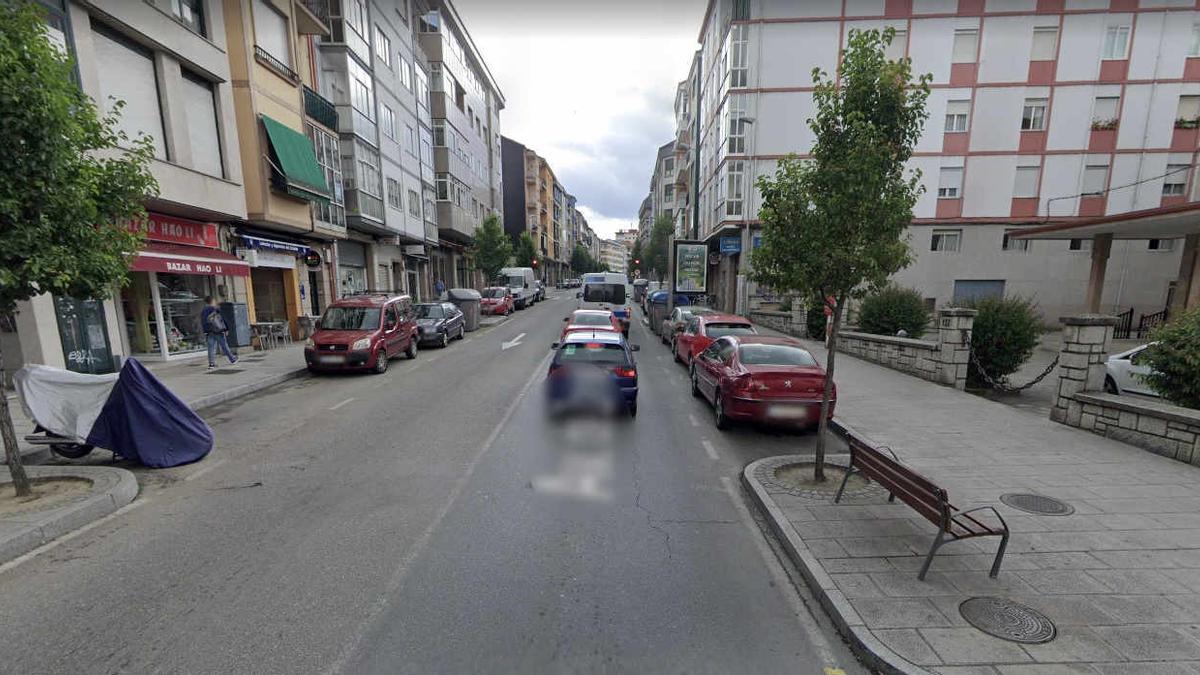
(215, 323)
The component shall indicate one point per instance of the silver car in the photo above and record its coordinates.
(678, 318)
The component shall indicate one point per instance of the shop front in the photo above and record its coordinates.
(178, 266)
(352, 268)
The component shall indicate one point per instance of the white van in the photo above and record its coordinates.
(521, 282)
(606, 291)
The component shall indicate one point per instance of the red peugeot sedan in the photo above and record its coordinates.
(702, 329)
(497, 300)
(363, 332)
(762, 379)
(590, 320)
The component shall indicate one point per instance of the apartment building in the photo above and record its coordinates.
(662, 183)
(535, 201)
(169, 64)
(465, 105)
(1046, 110)
(614, 255)
(685, 123)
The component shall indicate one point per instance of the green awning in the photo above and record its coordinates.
(294, 158)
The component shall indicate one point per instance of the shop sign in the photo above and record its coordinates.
(756, 241)
(312, 258)
(691, 274)
(731, 245)
(159, 227)
(714, 258)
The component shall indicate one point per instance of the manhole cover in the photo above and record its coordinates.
(1007, 620)
(1039, 504)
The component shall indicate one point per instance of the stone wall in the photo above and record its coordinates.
(780, 321)
(915, 357)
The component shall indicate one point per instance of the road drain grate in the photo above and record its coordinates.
(1007, 620)
(1039, 504)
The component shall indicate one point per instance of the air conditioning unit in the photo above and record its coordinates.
(250, 255)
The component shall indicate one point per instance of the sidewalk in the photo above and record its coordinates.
(1120, 577)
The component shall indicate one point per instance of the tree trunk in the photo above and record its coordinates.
(819, 458)
(12, 453)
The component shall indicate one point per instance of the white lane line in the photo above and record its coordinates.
(708, 448)
(692, 418)
(71, 535)
(201, 472)
(335, 407)
(340, 663)
(782, 582)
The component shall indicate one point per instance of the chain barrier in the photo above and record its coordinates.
(1002, 383)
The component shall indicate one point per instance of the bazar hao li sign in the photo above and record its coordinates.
(159, 227)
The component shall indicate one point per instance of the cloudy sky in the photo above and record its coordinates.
(590, 86)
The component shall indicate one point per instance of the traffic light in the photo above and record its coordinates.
(637, 261)
(534, 263)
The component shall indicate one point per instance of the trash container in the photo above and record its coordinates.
(237, 319)
(468, 301)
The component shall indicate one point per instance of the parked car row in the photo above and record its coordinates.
(364, 332)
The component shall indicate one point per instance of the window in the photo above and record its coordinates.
(271, 32)
(1189, 108)
(1095, 179)
(191, 14)
(405, 72)
(383, 47)
(739, 57)
(1106, 109)
(1045, 44)
(735, 196)
(460, 95)
(946, 241)
(1079, 245)
(1033, 117)
(1175, 182)
(1025, 182)
(1194, 45)
(410, 139)
(966, 45)
(1161, 245)
(355, 12)
(414, 203)
(367, 176)
(895, 51)
(736, 113)
(200, 105)
(956, 115)
(668, 166)
(127, 73)
(387, 121)
(325, 146)
(950, 182)
(669, 192)
(362, 91)
(442, 182)
(1116, 43)
(393, 194)
(1010, 244)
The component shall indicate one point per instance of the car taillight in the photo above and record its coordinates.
(625, 371)
(743, 383)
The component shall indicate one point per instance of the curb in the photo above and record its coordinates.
(112, 489)
(870, 649)
(246, 389)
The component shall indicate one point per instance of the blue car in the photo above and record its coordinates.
(593, 371)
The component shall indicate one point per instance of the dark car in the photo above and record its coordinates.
(593, 370)
(363, 332)
(439, 322)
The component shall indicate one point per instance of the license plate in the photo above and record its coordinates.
(788, 412)
(330, 360)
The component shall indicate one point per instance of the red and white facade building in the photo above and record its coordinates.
(1041, 111)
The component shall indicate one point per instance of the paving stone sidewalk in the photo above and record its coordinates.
(1120, 577)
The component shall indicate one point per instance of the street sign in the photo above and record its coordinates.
(731, 245)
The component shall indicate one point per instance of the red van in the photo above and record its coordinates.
(362, 332)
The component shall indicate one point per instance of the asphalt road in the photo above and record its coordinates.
(433, 520)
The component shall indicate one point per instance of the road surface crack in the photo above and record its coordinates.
(637, 502)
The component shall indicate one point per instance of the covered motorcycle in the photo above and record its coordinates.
(131, 413)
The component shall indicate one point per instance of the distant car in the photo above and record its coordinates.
(702, 329)
(439, 323)
(363, 332)
(593, 371)
(678, 319)
(589, 320)
(761, 379)
(496, 300)
(1124, 372)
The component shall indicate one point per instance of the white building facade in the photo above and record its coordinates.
(1040, 110)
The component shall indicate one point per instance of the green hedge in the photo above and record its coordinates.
(1174, 359)
(815, 319)
(1005, 334)
(893, 309)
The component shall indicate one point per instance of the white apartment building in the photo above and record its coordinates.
(614, 254)
(1040, 110)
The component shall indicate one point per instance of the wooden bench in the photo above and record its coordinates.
(925, 498)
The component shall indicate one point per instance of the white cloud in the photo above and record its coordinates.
(606, 226)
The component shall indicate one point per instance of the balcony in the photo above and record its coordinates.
(367, 209)
(320, 109)
(455, 224)
(275, 65)
(312, 17)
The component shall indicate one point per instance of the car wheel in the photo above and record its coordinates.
(719, 417)
(381, 362)
(71, 450)
(462, 332)
(675, 352)
(445, 341)
(695, 385)
(1110, 385)
(411, 352)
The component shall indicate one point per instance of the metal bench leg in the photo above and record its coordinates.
(842, 487)
(999, 556)
(937, 543)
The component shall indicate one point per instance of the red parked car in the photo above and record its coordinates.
(702, 329)
(757, 378)
(497, 300)
(363, 332)
(590, 320)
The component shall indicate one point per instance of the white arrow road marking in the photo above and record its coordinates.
(512, 343)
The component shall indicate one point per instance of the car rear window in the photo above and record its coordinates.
(430, 312)
(613, 293)
(494, 292)
(775, 355)
(718, 329)
(350, 318)
(591, 352)
(591, 320)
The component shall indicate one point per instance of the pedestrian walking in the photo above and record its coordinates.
(439, 287)
(215, 332)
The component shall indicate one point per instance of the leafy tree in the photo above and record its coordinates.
(64, 200)
(657, 256)
(833, 226)
(492, 248)
(1174, 360)
(582, 262)
(525, 252)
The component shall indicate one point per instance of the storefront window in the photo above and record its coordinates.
(141, 324)
(182, 298)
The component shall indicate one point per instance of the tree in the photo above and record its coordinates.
(525, 253)
(833, 226)
(657, 257)
(582, 262)
(65, 198)
(492, 248)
